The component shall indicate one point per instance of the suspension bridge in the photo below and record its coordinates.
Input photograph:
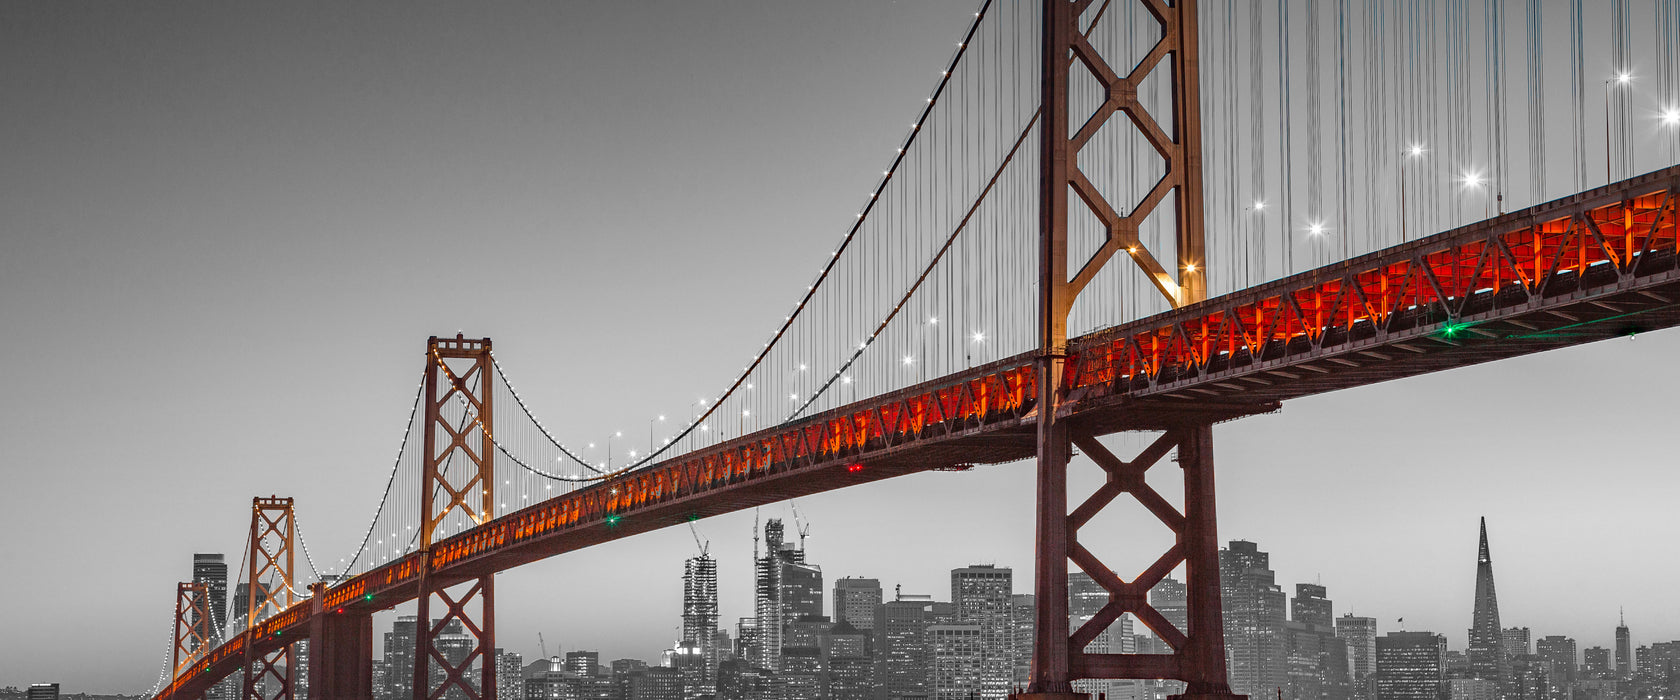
(1065, 245)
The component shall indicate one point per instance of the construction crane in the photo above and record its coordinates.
(543, 644)
(703, 546)
(799, 525)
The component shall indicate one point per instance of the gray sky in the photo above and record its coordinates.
(225, 235)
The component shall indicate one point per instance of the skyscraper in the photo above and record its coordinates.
(211, 570)
(855, 600)
(787, 589)
(1253, 608)
(1311, 606)
(1624, 649)
(902, 656)
(1410, 666)
(1486, 651)
(1514, 642)
(399, 657)
(1361, 636)
(700, 617)
(981, 596)
(1559, 650)
(959, 662)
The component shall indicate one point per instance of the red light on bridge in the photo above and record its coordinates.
(855, 468)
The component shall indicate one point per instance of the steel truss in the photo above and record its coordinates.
(192, 624)
(1058, 657)
(268, 675)
(458, 371)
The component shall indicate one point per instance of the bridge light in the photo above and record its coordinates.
(1624, 78)
(908, 359)
(854, 468)
(1316, 228)
(1473, 179)
(1259, 205)
(979, 337)
(1190, 267)
(1415, 150)
(612, 519)
(1671, 117)
(934, 320)
(846, 379)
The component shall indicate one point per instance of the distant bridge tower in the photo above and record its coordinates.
(1059, 656)
(268, 676)
(192, 624)
(459, 477)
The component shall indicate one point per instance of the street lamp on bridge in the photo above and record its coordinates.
(1622, 78)
(1411, 153)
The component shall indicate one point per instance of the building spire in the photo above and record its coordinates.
(1482, 556)
(1486, 649)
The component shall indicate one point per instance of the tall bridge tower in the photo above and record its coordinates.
(1059, 657)
(459, 477)
(269, 676)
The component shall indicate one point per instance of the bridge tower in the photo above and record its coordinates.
(1059, 656)
(192, 623)
(268, 675)
(459, 476)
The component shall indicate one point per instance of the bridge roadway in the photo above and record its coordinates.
(1592, 266)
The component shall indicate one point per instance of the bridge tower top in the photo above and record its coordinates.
(459, 462)
(272, 535)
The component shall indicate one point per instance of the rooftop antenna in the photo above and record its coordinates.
(704, 546)
(755, 534)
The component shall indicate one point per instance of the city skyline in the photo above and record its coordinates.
(198, 201)
(1307, 599)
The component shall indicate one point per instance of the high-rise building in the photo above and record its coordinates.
(42, 691)
(1624, 649)
(1361, 636)
(381, 684)
(1595, 662)
(1171, 599)
(510, 676)
(1311, 606)
(582, 662)
(1024, 614)
(399, 657)
(959, 653)
(787, 589)
(903, 658)
(211, 570)
(740, 680)
(855, 600)
(1486, 650)
(700, 619)
(1410, 666)
(1253, 607)
(1316, 660)
(1560, 651)
(1514, 642)
(849, 663)
(981, 596)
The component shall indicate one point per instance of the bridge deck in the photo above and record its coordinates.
(1596, 265)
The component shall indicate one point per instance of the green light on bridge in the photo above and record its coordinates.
(613, 519)
(1452, 330)
(368, 597)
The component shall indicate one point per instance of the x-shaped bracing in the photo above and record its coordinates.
(1126, 597)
